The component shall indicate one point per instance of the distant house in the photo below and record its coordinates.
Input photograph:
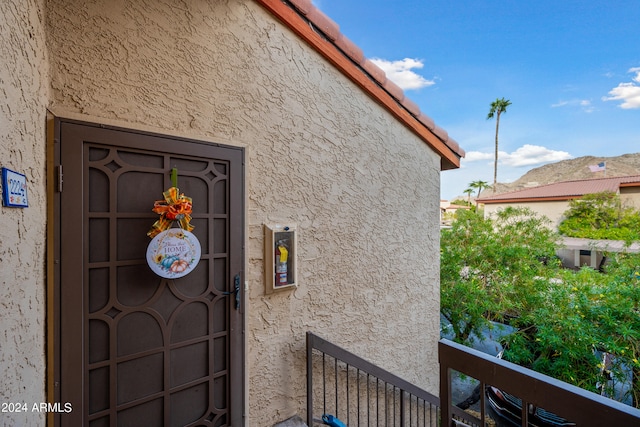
(552, 200)
(448, 210)
(577, 252)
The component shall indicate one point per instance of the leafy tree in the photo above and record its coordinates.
(586, 315)
(460, 202)
(490, 267)
(601, 216)
(504, 269)
(498, 107)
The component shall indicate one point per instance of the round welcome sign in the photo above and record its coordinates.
(173, 253)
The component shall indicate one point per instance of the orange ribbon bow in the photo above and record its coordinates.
(174, 207)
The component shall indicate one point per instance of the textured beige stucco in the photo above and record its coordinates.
(23, 92)
(630, 197)
(553, 210)
(362, 189)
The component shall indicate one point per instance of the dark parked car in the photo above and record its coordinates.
(508, 409)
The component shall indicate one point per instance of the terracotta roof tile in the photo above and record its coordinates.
(331, 31)
(411, 106)
(564, 190)
(394, 90)
(374, 71)
(453, 144)
(631, 181)
(350, 49)
(304, 6)
(324, 23)
(427, 121)
(441, 133)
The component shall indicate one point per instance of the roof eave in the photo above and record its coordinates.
(528, 199)
(352, 64)
(629, 184)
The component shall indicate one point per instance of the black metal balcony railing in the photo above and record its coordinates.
(551, 397)
(361, 394)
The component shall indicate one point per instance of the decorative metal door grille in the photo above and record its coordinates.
(154, 351)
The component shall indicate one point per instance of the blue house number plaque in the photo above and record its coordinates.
(14, 189)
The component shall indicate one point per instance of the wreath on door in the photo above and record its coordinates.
(173, 252)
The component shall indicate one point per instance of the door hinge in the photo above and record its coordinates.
(59, 178)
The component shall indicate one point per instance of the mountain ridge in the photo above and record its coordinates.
(572, 170)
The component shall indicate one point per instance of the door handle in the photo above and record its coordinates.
(236, 290)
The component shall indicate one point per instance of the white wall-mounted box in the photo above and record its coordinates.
(280, 261)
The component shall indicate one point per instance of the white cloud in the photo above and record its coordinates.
(584, 104)
(400, 72)
(478, 165)
(527, 155)
(628, 93)
(474, 156)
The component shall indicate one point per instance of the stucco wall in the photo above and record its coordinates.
(23, 84)
(630, 196)
(554, 210)
(363, 190)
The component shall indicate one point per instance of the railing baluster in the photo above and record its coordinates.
(368, 402)
(377, 403)
(358, 397)
(386, 404)
(324, 385)
(394, 406)
(348, 405)
(483, 415)
(335, 374)
(309, 380)
(402, 408)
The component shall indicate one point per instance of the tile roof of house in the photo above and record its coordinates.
(457, 207)
(323, 34)
(565, 190)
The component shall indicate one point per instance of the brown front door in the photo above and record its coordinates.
(134, 349)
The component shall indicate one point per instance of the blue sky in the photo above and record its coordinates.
(571, 70)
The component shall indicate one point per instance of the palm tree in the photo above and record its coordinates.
(468, 192)
(479, 185)
(498, 107)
